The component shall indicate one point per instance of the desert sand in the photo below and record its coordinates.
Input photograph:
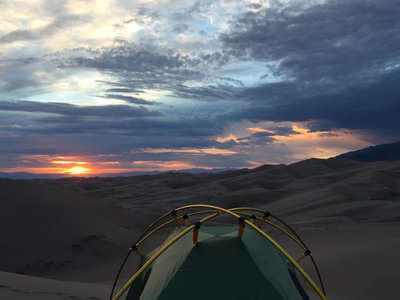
(65, 238)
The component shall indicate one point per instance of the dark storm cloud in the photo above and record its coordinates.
(51, 128)
(75, 110)
(328, 41)
(374, 105)
(137, 123)
(114, 137)
(339, 62)
(161, 129)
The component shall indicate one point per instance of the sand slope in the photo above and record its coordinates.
(76, 230)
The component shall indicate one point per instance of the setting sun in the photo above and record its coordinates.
(78, 171)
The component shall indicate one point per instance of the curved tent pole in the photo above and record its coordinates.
(130, 251)
(292, 231)
(171, 221)
(277, 227)
(157, 254)
(310, 281)
(220, 210)
(143, 237)
(312, 258)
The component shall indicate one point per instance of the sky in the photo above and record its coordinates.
(89, 87)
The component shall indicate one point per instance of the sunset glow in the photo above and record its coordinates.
(71, 167)
(77, 171)
(258, 129)
(191, 151)
(126, 86)
(228, 138)
(68, 162)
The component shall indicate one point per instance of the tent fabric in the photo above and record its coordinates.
(219, 266)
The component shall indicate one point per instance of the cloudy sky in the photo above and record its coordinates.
(118, 85)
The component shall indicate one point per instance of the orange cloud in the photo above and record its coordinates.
(300, 129)
(259, 129)
(68, 162)
(104, 163)
(190, 151)
(321, 144)
(230, 137)
(166, 165)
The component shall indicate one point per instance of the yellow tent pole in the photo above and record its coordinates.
(132, 247)
(232, 213)
(277, 246)
(144, 236)
(130, 250)
(248, 208)
(170, 221)
(119, 272)
(153, 224)
(300, 269)
(277, 227)
(157, 254)
(165, 247)
(305, 246)
(295, 234)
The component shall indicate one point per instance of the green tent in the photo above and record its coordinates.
(216, 262)
(219, 266)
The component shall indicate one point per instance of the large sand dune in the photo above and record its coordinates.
(65, 238)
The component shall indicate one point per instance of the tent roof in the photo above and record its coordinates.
(219, 266)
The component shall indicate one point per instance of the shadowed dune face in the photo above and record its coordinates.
(79, 228)
(47, 230)
(314, 187)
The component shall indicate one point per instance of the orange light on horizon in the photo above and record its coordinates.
(152, 165)
(214, 151)
(77, 171)
(68, 162)
(74, 169)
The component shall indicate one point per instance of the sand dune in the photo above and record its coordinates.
(73, 232)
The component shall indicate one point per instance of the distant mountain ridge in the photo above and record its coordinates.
(384, 152)
(26, 175)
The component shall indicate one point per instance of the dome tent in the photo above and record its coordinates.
(218, 262)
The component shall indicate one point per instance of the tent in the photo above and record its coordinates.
(199, 261)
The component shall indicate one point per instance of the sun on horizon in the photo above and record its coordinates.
(78, 171)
